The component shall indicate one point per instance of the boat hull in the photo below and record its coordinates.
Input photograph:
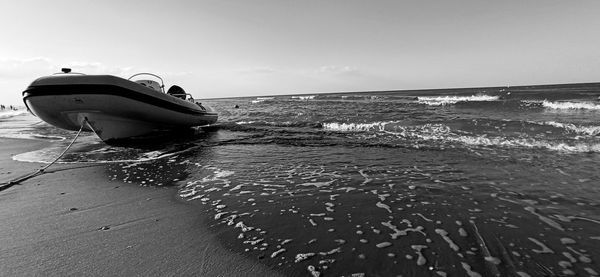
(112, 107)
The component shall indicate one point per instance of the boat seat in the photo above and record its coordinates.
(176, 91)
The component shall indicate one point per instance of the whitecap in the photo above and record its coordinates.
(449, 100)
(262, 99)
(304, 97)
(356, 127)
(584, 130)
(566, 105)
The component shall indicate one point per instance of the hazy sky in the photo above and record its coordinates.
(235, 48)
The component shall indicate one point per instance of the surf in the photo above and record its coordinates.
(449, 100)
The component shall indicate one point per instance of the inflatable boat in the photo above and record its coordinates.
(114, 108)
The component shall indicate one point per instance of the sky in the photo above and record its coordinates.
(233, 48)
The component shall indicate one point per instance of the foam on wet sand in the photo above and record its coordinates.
(402, 221)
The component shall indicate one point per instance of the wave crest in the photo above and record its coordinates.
(356, 127)
(570, 105)
(584, 130)
(307, 97)
(444, 134)
(262, 99)
(449, 100)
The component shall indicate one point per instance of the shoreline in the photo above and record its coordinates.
(73, 220)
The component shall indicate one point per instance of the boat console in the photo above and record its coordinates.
(150, 84)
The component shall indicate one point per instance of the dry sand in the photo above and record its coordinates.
(73, 221)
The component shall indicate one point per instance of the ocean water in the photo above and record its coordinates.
(460, 182)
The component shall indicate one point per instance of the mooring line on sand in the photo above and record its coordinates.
(18, 180)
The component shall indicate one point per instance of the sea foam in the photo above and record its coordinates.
(509, 142)
(584, 130)
(443, 133)
(449, 100)
(262, 99)
(356, 127)
(571, 105)
(307, 97)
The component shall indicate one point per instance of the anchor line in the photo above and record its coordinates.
(40, 171)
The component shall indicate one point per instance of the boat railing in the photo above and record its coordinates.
(162, 83)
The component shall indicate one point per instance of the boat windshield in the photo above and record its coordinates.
(150, 83)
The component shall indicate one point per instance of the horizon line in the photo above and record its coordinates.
(408, 90)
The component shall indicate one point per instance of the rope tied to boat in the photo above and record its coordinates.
(42, 170)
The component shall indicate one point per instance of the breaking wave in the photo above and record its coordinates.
(449, 100)
(583, 130)
(509, 142)
(571, 105)
(440, 132)
(357, 127)
(307, 97)
(444, 134)
(262, 99)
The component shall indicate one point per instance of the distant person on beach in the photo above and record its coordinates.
(2, 107)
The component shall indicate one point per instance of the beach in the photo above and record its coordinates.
(73, 221)
(300, 138)
(455, 182)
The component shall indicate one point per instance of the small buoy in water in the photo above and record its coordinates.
(236, 106)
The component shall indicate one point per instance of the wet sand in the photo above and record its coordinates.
(73, 221)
